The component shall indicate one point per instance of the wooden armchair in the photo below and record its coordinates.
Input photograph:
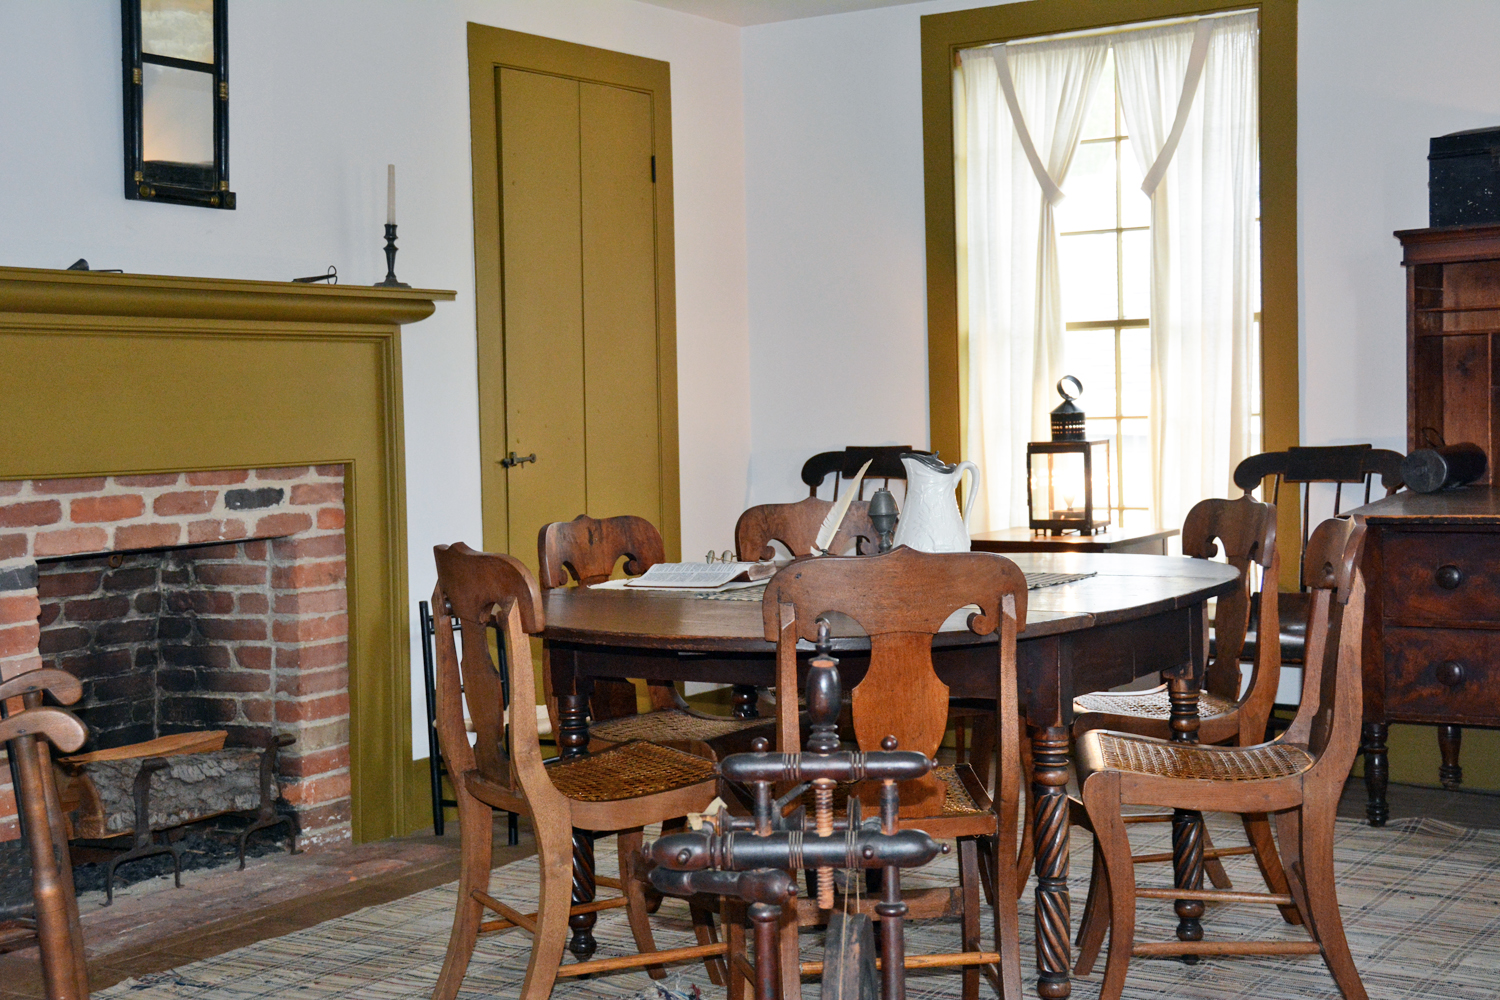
(1297, 777)
(622, 788)
(1246, 528)
(901, 600)
(587, 550)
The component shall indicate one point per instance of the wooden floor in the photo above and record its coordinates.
(156, 929)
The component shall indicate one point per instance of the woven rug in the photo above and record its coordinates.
(1421, 904)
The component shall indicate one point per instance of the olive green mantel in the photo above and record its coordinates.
(113, 374)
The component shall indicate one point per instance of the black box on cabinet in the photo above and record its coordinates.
(1463, 178)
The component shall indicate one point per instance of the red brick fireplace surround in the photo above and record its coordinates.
(269, 618)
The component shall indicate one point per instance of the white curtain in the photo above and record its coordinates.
(1189, 96)
(1022, 110)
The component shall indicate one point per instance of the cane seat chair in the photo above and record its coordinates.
(622, 788)
(795, 526)
(28, 735)
(585, 550)
(901, 600)
(1246, 530)
(1296, 777)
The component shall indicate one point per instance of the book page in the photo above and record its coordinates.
(690, 576)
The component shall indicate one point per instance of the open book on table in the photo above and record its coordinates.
(701, 576)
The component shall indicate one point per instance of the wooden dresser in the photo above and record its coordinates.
(1432, 623)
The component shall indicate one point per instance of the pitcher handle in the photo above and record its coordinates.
(973, 488)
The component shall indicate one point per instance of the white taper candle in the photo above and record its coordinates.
(390, 194)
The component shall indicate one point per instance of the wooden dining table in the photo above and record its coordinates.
(1133, 616)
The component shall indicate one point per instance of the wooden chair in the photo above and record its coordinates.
(1354, 465)
(622, 788)
(26, 734)
(901, 600)
(1297, 777)
(1246, 528)
(795, 525)
(885, 464)
(585, 551)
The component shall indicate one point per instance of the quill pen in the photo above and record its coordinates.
(836, 514)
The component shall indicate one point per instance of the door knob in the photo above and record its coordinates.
(1450, 673)
(517, 460)
(1449, 577)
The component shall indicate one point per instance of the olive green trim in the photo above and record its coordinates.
(489, 50)
(943, 35)
(278, 375)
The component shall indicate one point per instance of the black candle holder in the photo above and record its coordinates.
(390, 260)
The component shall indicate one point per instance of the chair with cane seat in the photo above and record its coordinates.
(1246, 530)
(622, 788)
(585, 550)
(1296, 777)
(901, 600)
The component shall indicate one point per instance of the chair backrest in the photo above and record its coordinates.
(796, 525)
(900, 600)
(484, 590)
(1341, 465)
(1246, 531)
(586, 549)
(1328, 718)
(885, 464)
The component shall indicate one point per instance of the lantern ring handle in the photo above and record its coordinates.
(1064, 393)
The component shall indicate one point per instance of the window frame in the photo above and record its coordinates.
(943, 35)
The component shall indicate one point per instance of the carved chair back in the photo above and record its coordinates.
(796, 525)
(586, 550)
(485, 591)
(885, 464)
(900, 600)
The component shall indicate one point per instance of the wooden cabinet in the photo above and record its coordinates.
(1453, 336)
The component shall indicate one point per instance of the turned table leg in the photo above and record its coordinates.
(1377, 772)
(1450, 742)
(573, 741)
(745, 700)
(1187, 824)
(1049, 777)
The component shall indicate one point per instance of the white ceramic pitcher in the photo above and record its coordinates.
(930, 520)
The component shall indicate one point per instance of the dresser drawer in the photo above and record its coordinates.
(1441, 577)
(1442, 675)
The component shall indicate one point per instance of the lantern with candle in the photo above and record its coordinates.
(1064, 475)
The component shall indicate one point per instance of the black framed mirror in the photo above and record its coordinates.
(176, 56)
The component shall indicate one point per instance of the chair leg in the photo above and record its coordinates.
(1323, 900)
(968, 886)
(1258, 832)
(733, 919)
(554, 848)
(628, 845)
(1095, 919)
(1213, 867)
(1101, 796)
(1028, 828)
(1289, 836)
(788, 959)
(704, 931)
(997, 852)
(475, 822)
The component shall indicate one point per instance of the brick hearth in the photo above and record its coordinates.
(247, 602)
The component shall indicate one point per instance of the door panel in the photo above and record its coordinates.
(620, 365)
(542, 260)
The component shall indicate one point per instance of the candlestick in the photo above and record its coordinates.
(390, 194)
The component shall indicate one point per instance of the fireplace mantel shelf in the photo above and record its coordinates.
(97, 293)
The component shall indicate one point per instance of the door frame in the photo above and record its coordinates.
(490, 49)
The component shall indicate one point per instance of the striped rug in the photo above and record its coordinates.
(1421, 903)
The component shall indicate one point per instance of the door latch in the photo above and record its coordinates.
(506, 463)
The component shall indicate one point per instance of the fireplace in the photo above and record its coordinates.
(195, 601)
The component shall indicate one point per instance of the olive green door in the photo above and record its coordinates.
(576, 357)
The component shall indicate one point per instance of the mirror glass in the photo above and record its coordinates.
(177, 115)
(179, 29)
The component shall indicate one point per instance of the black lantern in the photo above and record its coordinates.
(176, 59)
(1065, 474)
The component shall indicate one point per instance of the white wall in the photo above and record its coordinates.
(323, 96)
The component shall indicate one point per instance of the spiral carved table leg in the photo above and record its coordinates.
(745, 700)
(573, 741)
(1377, 772)
(1049, 786)
(1187, 824)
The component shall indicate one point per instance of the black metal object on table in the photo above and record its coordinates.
(390, 260)
(753, 858)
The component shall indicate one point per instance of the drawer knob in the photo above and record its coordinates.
(1449, 577)
(1450, 673)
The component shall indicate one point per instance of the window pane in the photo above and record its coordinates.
(1089, 201)
(1088, 277)
(1135, 463)
(1135, 207)
(1135, 273)
(1099, 120)
(1090, 356)
(177, 115)
(1136, 520)
(1135, 372)
(182, 29)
